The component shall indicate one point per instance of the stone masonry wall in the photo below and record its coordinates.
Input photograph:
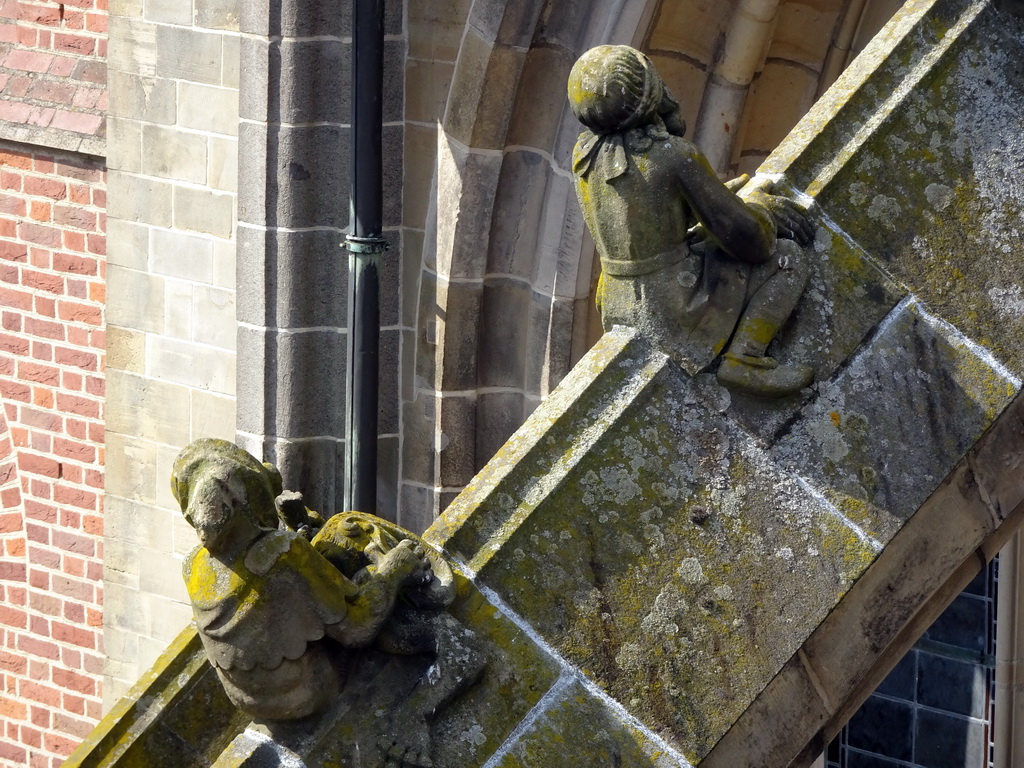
(172, 158)
(52, 248)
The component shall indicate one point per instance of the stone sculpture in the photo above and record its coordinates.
(281, 618)
(684, 259)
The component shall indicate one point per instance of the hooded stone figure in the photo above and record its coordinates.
(280, 616)
(270, 609)
(683, 259)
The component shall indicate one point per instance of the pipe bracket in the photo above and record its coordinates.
(365, 245)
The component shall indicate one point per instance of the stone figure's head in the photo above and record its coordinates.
(615, 87)
(215, 481)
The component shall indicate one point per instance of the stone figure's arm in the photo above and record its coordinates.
(745, 232)
(358, 610)
(374, 600)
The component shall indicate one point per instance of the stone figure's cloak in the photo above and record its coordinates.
(270, 609)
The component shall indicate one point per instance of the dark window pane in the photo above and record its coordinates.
(945, 741)
(883, 727)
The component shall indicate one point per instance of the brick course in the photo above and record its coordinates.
(53, 72)
(52, 350)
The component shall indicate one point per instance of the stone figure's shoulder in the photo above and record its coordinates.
(673, 151)
(275, 546)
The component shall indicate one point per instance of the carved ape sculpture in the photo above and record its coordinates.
(683, 259)
(279, 615)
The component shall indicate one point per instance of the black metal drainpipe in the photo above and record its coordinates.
(364, 244)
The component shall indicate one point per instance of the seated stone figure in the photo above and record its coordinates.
(684, 259)
(277, 617)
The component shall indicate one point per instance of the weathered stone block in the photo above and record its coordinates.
(169, 12)
(292, 279)
(162, 578)
(541, 97)
(435, 29)
(316, 465)
(390, 274)
(214, 312)
(427, 84)
(512, 25)
(136, 300)
(392, 144)
(252, 413)
(127, 244)
(456, 441)
(478, 108)
(572, 717)
(420, 173)
(387, 382)
(126, 349)
(313, 187)
(207, 108)
(676, 28)
(178, 307)
(915, 185)
(218, 14)
(466, 184)
(203, 210)
(455, 328)
(131, 466)
(504, 333)
(418, 419)
(140, 525)
(797, 37)
(419, 507)
(173, 154)
(873, 442)
(231, 70)
(224, 263)
(134, 48)
(190, 365)
(519, 205)
(121, 563)
(711, 534)
(387, 476)
(138, 199)
(125, 141)
(222, 163)
(498, 415)
(212, 415)
(306, 367)
(182, 255)
(186, 53)
(313, 76)
(773, 117)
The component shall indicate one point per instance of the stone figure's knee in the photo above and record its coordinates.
(792, 258)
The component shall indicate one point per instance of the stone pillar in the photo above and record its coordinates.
(294, 158)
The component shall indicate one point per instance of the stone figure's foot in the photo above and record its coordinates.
(762, 376)
(406, 745)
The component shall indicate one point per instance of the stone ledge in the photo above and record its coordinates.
(52, 100)
(53, 138)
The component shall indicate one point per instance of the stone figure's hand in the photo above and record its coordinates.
(408, 563)
(792, 220)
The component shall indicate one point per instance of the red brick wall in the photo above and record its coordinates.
(52, 246)
(52, 65)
